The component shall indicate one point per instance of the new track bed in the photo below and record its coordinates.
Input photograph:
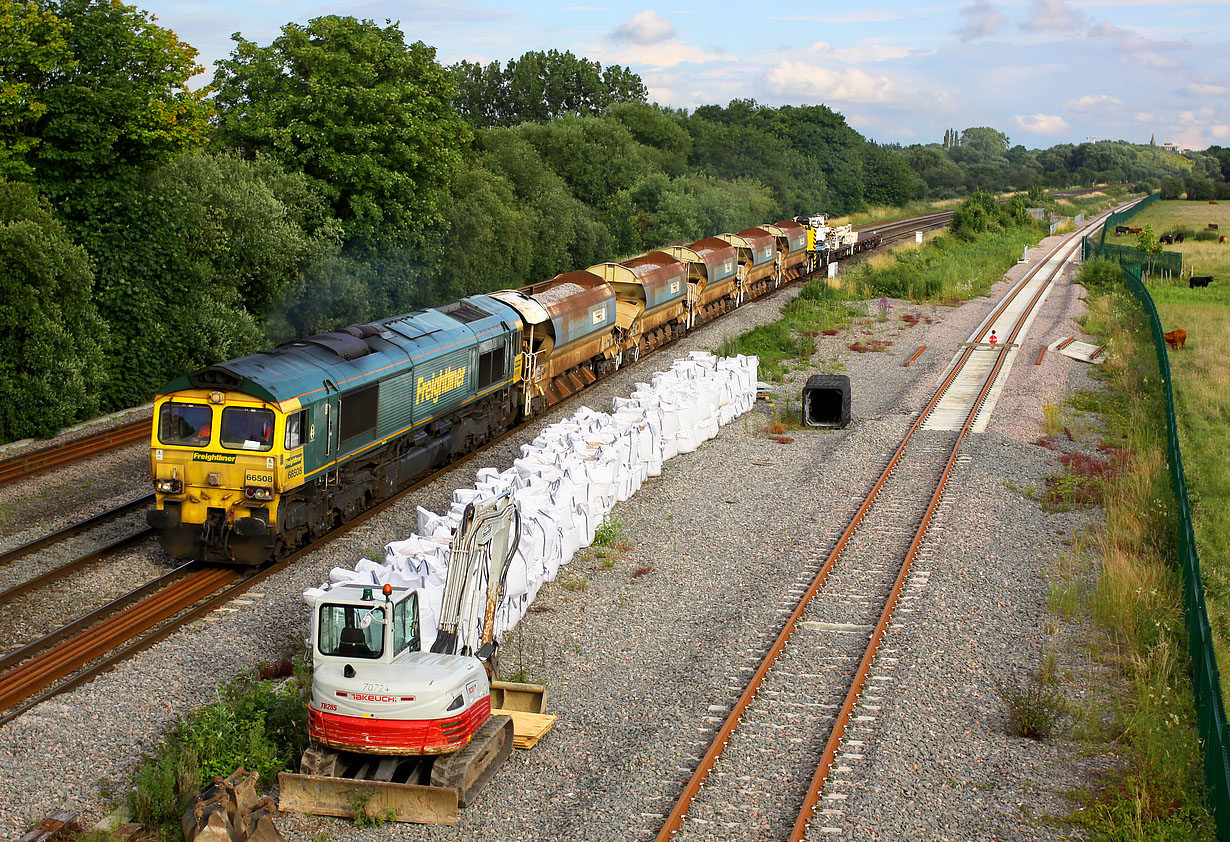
(763, 774)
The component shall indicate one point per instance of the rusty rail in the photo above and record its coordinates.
(57, 456)
(1065, 343)
(1041, 354)
(675, 819)
(873, 645)
(914, 356)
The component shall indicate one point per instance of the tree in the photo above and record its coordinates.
(1147, 241)
(985, 141)
(101, 95)
(1199, 189)
(539, 87)
(51, 338)
(1171, 188)
(32, 44)
(366, 118)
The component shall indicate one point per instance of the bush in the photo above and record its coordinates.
(252, 725)
(1206, 236)
(1099, 274)
(1033, 711)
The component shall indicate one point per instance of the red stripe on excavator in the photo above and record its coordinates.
(397, 736)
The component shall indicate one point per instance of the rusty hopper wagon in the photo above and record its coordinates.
(712, 266)
(757, 267)
(792, 257)
(651, 294)
(567, 335)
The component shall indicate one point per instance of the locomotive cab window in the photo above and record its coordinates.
(490, 367)
(184, 424)
(296, 430)
(247, 429)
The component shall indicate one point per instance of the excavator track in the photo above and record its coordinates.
(468, 770)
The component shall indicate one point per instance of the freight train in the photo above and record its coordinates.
(258, 456)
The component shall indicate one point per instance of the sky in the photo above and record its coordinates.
(1041, 71)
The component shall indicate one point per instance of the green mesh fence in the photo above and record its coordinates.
(1206, 680)
(1120, 217)
(1168, 263)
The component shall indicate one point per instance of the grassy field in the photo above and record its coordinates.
(1201, 372)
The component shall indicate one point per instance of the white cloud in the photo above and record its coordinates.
(1042, 123)
(801, 80)
(1204, 89)
(652, 56)
(1092, 101)
(1054, 15)
(1219, 131)
(1134, 48)
(982, 20)
(1149, 58)
(647, 27)
(1145, 117)
(863, 53)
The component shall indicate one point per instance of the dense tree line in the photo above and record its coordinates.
(340, 173)
(982, 158)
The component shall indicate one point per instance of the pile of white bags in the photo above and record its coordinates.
(566, 481)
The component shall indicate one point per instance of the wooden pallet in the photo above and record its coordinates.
(528, 728)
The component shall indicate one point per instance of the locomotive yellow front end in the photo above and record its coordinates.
(218, 461)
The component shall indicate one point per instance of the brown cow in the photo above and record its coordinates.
(1175, 338)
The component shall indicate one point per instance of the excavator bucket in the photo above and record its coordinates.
(512, 695)
(322, 796)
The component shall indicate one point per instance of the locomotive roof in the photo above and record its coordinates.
(355, 355)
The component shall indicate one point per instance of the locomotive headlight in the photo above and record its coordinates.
(258, 492)
(169, 486)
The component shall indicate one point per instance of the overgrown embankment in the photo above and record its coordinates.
(1132, 593)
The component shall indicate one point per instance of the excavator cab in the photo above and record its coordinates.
(412, 730)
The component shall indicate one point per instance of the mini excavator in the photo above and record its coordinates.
(398, 732)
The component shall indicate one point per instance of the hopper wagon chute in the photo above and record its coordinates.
(712, 272)
(757, 253)
(568, 335)
(792, 257)
(651, 294)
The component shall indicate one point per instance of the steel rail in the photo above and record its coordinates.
(52, 576)
(85, 621)
(44, 669)
(833, 744)
(69, 531)
(57, 456)
(717, 746)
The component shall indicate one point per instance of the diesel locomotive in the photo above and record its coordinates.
(255, 457)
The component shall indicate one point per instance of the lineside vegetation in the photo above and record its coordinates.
(1134, 595)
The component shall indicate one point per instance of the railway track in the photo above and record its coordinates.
(763, 774)
(9, 556)
(92, 644)
(57, 456)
